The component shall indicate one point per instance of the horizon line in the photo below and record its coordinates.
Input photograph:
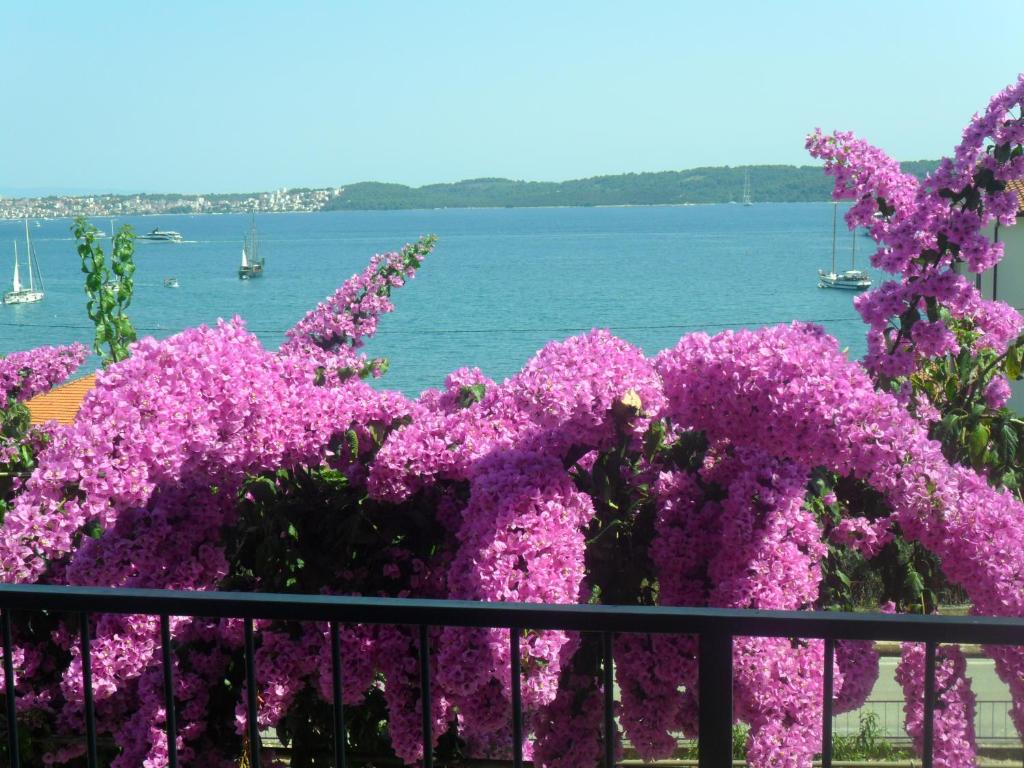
(38, 193)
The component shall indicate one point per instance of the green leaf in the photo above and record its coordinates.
(654, 438)
(1010, 440)
(469, 394)
(1012, 362)
(977, 443)
(963, 364)
(688, 451)
(353, 443)
(376, 433)
(913, 583)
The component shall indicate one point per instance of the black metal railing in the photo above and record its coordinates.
(715, 627)
(992, 723)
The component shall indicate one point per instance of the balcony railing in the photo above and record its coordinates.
(715, 627)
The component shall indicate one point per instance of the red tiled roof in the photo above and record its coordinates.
(61, 403)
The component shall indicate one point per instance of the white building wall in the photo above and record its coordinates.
(1005, 282)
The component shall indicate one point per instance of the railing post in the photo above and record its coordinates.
(252, 701)
(90, 710)
(826, 703)
(714, 745)
(168, 660)
(607, 669)
(517, 698)
(428, 736)
(339, 706)
(10, 693)
(928, 726)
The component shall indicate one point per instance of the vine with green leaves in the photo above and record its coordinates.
(109, 288)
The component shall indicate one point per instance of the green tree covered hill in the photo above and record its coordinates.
(769, 183)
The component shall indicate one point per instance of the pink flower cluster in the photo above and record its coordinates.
(154, 462)
(23, 375)
(562, 398)
(997, 392)
(167, 437)
(953, 719)
(725, 386)
(327, 337)
(927, 229)
(521, 540)
(863, 535)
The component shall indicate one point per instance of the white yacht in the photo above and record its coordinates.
(852, 279)
(161, 236)
(19, 294)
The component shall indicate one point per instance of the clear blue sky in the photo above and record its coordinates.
(245, 96)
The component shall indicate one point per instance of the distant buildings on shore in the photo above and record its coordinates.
(68, 206)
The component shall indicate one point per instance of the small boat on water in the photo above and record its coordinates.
(161, 236)
(19, 294)
(171, 282)
(252, 262)
(746, 189)
(852, 279)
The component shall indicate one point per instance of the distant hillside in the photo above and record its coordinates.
(768, 183)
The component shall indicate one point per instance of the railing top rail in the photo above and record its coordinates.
(462, 613)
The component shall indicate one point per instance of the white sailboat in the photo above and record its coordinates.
(252, 263)
(852, 279)
(19, 294)
(746, 189)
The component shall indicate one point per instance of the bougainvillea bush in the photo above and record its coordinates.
(750, 469)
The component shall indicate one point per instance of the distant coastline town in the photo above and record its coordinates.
(766, 183)
(67, 206)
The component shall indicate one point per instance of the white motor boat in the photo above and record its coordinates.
(161, 236)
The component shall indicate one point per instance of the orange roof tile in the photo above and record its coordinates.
(61, 403)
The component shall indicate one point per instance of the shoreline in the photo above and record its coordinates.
(420, 210)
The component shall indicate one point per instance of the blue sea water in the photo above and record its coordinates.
(500, 284)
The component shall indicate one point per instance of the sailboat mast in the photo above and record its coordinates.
(853, 250)
(835, 216)
(16, 282)
(28, 257)
(39, 274)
